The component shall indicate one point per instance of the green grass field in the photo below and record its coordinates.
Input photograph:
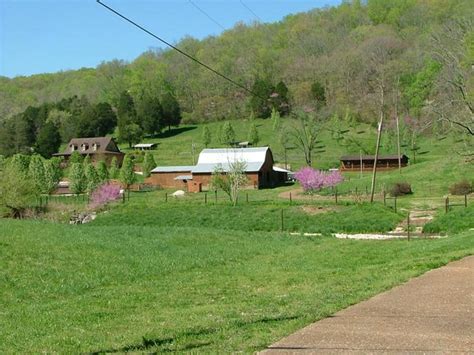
(98, 288)
(157, 274)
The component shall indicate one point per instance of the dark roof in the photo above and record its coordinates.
(93, 145)
(372, 157)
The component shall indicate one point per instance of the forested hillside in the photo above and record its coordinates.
(358, 60)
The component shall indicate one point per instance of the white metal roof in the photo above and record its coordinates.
(209, 159)
(230, 155)
(173, 169)
(281, 170)
(209, 168)
(144, 145)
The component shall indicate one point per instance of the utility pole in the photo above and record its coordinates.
(379, 133)
(398, 129)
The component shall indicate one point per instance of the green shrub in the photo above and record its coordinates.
(400, 189)
(463, 187)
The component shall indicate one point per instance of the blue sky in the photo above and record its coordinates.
(38, 36)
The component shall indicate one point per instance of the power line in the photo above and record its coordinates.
(179, 50)
(251, 11)
(206, 14)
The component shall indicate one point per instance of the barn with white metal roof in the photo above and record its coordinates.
(258, 168)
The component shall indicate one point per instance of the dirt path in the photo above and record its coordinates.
(433, 313)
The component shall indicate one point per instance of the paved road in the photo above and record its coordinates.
(433, 313)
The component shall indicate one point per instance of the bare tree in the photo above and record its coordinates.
(454, 92)
(305, 136)
(230, 181)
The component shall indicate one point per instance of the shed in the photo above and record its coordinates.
(384, 162)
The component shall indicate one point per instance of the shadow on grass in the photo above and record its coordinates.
(165, 343)
(175, 131)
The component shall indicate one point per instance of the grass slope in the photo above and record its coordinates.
(99, 288)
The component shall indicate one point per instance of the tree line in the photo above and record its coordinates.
(41, 130)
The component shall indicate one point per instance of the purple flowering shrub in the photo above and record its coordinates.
(314, 180)
(103, 194)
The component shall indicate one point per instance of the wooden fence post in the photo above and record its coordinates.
(408, 226)
(384, 198)
(447, 204)
(282, 225)
(166, 197)
(291, 200)
(395, 205)
(205, 198)
(215, 195)
(335, 195)
(465, 200)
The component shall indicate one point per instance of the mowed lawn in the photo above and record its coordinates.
(108, 288)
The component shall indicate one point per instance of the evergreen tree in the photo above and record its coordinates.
(318, 94)
(148, 164)
(171, 111)
(48, 140)
(87, 161)
(206, 136)
(37, 174)
(92, 178)
(151, 115)
(75, 157)
(129, 130)
(78, 181)
(253, 134)
(228, 134)
(106, 119)
(127, 174)
(275, 117)
(17, 191)
(2, 162)
(51, 176)
(20, 163)
(114, 171)
(260, 102)
(102, 171)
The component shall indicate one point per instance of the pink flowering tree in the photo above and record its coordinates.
(103, 194)
(314, 180)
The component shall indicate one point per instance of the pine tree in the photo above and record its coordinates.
(78, 181)
(253, 134)
(51, 176)
(92, 178)
(75, 157)
(86, 162)
(102, 171)
(148, 164)
(127, 174)
(206, 136)
(37, 173)
(275, 117)
(48, 140)
(171, 111)
(228, 134)
(113, 171)
(20, 163)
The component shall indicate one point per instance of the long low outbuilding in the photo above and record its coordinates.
(258, 161)
(366, 162)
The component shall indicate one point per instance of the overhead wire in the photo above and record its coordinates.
(225, 77)
(206, 14)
